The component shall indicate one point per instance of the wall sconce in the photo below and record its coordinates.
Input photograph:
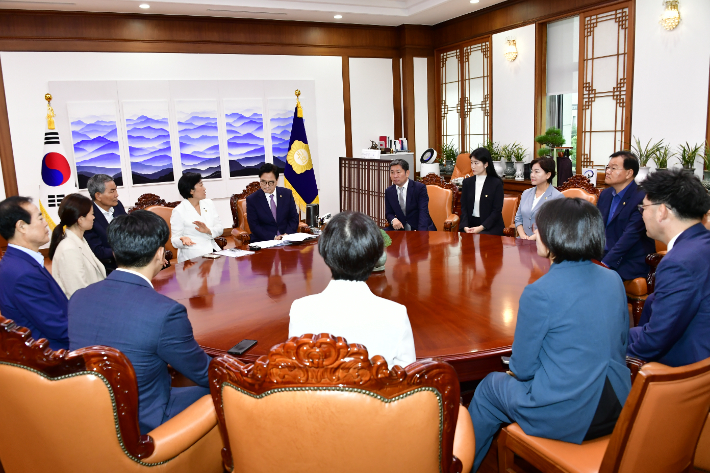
(671, 17)
(511, 51)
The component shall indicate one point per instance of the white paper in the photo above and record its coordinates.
(233, 252)
(268, 243)
(298, 237)
(370, 154)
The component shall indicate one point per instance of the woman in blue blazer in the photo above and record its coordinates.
(568, 378)
(541, 174)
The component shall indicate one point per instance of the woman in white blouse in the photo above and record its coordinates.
(482, 197)
(195, 223)
(542, 171)
(74, 265)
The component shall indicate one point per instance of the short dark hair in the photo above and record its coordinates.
(571, 229)
(136, 237)
(269, 168)
(400, 162)
(11, 212)
(547, 165)
(351, 244)
(97, 183)
(73, 207)
(630, 160)
(187, 183)
(484, 156)
(680, 190)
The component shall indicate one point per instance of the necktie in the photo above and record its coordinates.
(272, 204)
(402, 204)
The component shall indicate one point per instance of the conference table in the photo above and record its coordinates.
(461, 292)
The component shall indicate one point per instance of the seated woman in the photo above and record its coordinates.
(541, 174)
(568, 378)
(195, 222)
(74, 265)
(482, 197)
(351, 244)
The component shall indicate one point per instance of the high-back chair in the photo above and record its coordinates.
(441, 203)
(462, 167)
(316, 404)
(657, 431)
(67, 412)
(510, 208)
(579, 186)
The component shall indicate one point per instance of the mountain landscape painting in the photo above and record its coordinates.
(95, 140)
(199, 139)
(281, 113)
(148, 130)
(245, 136)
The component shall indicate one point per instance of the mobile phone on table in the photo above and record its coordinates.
(241, 347)
(505, 359)
(211, 256)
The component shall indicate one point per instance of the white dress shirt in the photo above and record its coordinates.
(671, 243)
(268, 199)
(107, 213)
(536, 199)
(350, 310)
(181, 225)
(479, 188)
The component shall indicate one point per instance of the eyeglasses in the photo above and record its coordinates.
(613, 169)
(267, 183)
(641, 206)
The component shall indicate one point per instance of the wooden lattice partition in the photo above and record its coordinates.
(362, 187)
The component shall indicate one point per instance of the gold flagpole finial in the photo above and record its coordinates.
(50, 111)
(299, 112)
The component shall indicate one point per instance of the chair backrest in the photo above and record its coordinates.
(234, 200)
(440, 202)
(242, 213)
(326, 407)
(661, 421)
(463, 166)
(165, 213)
(510, 207)
(661, 247)
(579, 186)
(67, 411)
(582, 194)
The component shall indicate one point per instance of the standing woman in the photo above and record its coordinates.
(195, 222)
(74, 265)
(482, 197)
(541, 174)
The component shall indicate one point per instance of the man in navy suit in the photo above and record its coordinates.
(271, 211)
(102, 190)
(406, 201)
(124, 312)
(675, 323)
(627, 244)
(29, 295)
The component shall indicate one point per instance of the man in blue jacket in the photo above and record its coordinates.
(102, 189)
(406, 201)
(627, 244)
(29, 295)
(674, 328)
(271, 211)
(124, 312)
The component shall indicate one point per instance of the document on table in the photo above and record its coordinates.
(268, 244)
(298, 237)
(235, 253)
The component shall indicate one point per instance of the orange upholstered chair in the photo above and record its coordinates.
(510, 208)
(579, 186)
(441, 201)
(67, 412)
(462, 167)
(657, 432)
(316, 404)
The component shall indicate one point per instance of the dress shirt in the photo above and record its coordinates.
(108, 214)
(672, 242)
(536, 199)
(268, 199)
(350, 310)
(181, 225)
(404, 194)
(125, 270)
(479, 188)
(34, 254)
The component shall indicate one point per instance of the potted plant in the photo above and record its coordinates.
(688, 155)
(496, 156)
(663, 154)
(550, 140)
(518, 153)
(380, 265)
(448, 156)
(644, 154)
(507, 152)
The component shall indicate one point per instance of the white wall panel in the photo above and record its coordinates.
(371, 101)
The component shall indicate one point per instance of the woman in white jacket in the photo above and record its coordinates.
(195, 223)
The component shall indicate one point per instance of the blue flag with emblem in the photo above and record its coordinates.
(299, 175)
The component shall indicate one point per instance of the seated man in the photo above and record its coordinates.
(406, 201)
(271, 211)
(626, 245)
(102, 190)
(124, 312)
(29, 295)
(674, 328)
(351, 244)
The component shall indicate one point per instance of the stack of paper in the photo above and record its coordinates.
(268, 243)
(235, 253)
(298, 237)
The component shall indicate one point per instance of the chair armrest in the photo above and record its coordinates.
(451, 224)
(509, 232)
(169, 256)
(240, 237)
(182, 431)
(652, 261)
(464, 440)
(303, 228)
(221, 242)
(634, 365)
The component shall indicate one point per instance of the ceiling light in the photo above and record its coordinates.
(474, 1)
(144, 6)
(337, 17)
(671, 17)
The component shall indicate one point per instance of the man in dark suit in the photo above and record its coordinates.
(406, 201)
(102, 190)
(29, 295)
(675, 324)
(627, 244)
(271, 211)
(124, 312)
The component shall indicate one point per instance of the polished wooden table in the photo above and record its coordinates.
(461, 294)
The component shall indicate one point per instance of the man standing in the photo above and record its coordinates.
(675, 323)
(626, 245)
(152, 330)
(29, 295)
(406, 201)
(271, 211)
(102, 190)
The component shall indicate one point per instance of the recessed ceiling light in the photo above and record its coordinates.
(474, 1)
(144, 6)
(337, 17)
